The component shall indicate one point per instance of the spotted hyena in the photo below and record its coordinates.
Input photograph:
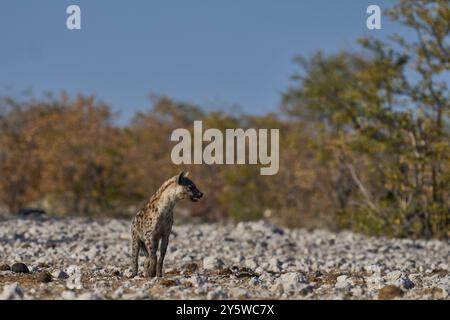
(153, 223)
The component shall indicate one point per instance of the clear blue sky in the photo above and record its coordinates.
(210, 52)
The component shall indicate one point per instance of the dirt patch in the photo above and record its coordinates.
(441, 272)
(167, 282)
(390, 292)
(321, 279)
(173, 272)
(435, 292)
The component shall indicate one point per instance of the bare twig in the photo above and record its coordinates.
(361, 188)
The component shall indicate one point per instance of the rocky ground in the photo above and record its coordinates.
(89, 259)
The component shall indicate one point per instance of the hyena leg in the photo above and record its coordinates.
(162, 254)
(135, 247)
(151, 260)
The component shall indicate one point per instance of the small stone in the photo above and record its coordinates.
(406, 283)
(416, 278)
(238, 293)
(375, 281)
(292, 281)
(44, 277)
(197, 280)
(394, 275)
(374, 268)
(128, 273)
(211, 263)
(12, 292)
(189, 268)
(68, 295)
(357, 292)
(62, 275)
(254, 281)
(251, 263)
(277, 288)
(342, 282)
(73, 269)
(119, 292)
(259, 270)
(307, 289)
(5, 267)
(74, 282)
(19, 268)
(275, 264)
(390, 292)
(216, 294)
(88, 296)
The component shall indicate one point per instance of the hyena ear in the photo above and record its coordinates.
(182, 175)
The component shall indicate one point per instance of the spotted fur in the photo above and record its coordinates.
(153, 223)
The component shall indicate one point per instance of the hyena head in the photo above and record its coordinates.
(187, 188)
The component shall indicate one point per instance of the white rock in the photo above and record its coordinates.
(128, 273)
(74, 282)
(68, 295)
(274, 264)
(375, 268)
(250, 263)
(73, 269)
(343, 282)
(375, 281)
(259, 270)
(292, 281)
(118, 293)
(394, 275)
(12, 292)
(238, 293)
(197, 280)
(211, 263)
(88, 296)
(357, 292)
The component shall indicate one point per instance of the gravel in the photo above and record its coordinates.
(90, 259)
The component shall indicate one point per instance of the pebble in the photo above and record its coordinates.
(68, 295)
(61, 275)
(19, 268)
(292, 281)
(406, 283)
(212, 263)
(394, 275)
(12, 292)
(342, 282)
(255, 260)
